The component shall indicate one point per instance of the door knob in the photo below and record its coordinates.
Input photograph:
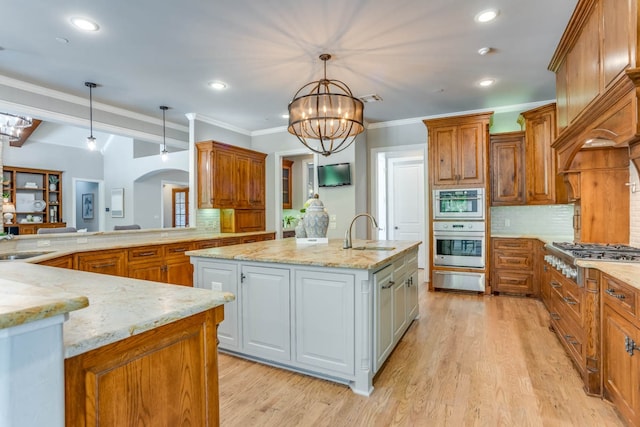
(395, 228)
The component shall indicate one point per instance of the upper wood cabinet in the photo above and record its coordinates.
(597, 76)
(230, 177)
(287, 178)
(458, 150)
(507, 168)
(543, 184)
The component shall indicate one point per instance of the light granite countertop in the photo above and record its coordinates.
(288, 251)
(118, 307)
(56, 245)
(627, 272)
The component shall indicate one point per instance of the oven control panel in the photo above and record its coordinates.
(567, 270)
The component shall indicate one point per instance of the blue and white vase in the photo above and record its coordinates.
(316, 219)
(300, 231)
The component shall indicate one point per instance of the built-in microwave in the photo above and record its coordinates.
(459, 204)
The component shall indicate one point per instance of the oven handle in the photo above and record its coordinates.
(458, 198)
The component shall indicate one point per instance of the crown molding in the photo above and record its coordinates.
(218, 123)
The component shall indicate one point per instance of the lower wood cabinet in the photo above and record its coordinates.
(621, 347)
(111, 262)
(60, 262)
(515, 266)
(167, 376)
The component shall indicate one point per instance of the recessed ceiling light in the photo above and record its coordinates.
(487, 15)
(84, 24)
(484, 50)
(217, 85)
(486, 82)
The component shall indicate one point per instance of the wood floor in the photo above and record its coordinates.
(468, 361)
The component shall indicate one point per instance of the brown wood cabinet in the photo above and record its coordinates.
(287, 183)
(60, 262)
(230, 177)
(514, 269)
(167, 376)
(543, 184)
(575, 317)
(24, 186)
(458, 150)
(111, 262)
(507, 168)
(620, 347)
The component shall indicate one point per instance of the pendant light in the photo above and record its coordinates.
(91, 141)
(164, 152)
(328, 113)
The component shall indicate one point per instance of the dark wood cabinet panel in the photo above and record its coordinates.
(507, 168)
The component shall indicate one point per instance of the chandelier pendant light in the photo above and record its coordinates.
(11, 126)
(164, 152)
(91, 141)
(325, 116)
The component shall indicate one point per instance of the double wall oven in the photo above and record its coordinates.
(459, 239)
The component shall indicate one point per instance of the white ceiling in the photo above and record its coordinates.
(420, 56)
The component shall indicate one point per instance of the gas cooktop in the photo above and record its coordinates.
(599, 251)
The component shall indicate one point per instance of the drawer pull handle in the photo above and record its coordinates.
(614, 294)
(146, 254)
(555, 316)
(112, 264)
(555, 284)
(388, 285)
(569, 301)
(179, 250)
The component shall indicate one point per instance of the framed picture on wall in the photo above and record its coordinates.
(87, 206)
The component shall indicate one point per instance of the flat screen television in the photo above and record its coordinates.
(334, 175)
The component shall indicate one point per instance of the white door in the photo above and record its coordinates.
(406, 202)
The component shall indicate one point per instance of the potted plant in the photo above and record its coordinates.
(53, 182)
(5, 197)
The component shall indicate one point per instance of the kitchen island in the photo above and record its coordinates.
(314, 308)
(139, 353)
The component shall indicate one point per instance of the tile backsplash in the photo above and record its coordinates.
(533, 220)
(208, 219)
(634, 216)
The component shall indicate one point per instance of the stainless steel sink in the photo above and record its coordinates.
(20, 255)
(373, 248)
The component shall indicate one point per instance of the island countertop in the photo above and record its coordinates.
(118, 307)
(288, 251)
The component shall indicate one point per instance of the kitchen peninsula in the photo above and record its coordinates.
(140, 352)
(318, 309)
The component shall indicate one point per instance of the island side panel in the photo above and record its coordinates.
(165, 376)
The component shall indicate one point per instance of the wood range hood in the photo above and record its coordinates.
(598, 82)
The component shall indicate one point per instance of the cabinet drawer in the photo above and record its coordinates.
(146, 254)
(619, 295)
(513, 260)
(512, 281)
(518, 244)
(176, 250)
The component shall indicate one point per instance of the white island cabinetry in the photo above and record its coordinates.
(338, 321)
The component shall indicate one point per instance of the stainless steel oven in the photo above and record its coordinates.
(459, 244)
(460, 204)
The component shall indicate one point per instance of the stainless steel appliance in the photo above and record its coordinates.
(563, 256)
(459, 204)
(459, 244)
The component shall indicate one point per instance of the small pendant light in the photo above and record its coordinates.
(164, 152)
(91, 141)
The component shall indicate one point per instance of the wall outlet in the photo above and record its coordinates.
(216, 286)
(507, 222)
(332, 218)
(44, 243)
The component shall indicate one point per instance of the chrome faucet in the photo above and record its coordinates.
(347, 234)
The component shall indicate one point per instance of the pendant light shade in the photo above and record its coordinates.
(91, 141)
(325, 116)
(164, 152)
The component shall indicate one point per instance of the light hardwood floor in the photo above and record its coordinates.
(468, 361)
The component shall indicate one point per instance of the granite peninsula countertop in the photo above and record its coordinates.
(288, 251)
(118, 307)
(57, 245)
